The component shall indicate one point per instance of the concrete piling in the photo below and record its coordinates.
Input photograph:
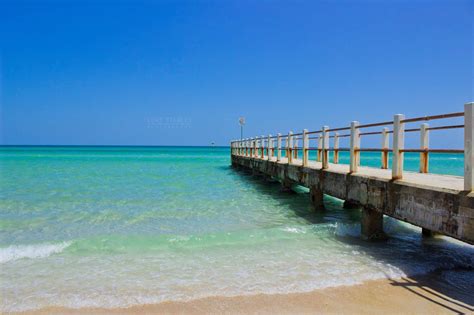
(427, 233)
(349, 204)
(372, 225)
(317, 197)
(286, 186)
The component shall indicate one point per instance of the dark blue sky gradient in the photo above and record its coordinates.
(182, 72)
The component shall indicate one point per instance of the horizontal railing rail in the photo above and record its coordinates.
(292, 144)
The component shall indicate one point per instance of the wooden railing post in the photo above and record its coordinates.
(325, 147)
(355, 146)
(305, 147)
(398, 144)
(424, 145)
(468, 146)
(262, 150)
(385, 147)
(257, 147)
(252, 146)
(278, 147)
(320, 146)
(290, 146)
(336, 148)
(295, 148)
(272, 141)
(270, 147)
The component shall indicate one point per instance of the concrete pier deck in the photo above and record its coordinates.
(437, 203)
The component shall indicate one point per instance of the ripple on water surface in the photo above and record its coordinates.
(113, 227)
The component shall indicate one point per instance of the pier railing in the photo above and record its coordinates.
(271, 147)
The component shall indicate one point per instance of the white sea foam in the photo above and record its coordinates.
(296, 230)
(15, 252)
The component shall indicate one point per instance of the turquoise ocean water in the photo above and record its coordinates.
(121, 226)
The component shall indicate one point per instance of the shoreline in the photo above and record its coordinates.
(429, 293)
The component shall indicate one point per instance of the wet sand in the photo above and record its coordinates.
(428, 294)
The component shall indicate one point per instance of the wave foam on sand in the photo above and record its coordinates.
(15, 252)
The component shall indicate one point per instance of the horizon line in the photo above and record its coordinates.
(110, 145)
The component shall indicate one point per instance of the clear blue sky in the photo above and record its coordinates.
(182, 72)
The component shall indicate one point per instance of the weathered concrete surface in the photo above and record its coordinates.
(316, 195)
(427, 233)
(433, 202)
(286, 185)
(372, 224)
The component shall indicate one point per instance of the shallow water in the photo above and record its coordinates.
(120, 226)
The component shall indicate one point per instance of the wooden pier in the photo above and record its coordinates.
(441, 204)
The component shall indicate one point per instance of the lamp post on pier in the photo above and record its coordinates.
(242, 123)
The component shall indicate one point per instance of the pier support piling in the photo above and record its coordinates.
(257, 173)
(286, 186)
(316, 195)
(348, 204)
(468, 146)
(427, 233)
(372, 225)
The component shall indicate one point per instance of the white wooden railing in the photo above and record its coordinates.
(264, 146)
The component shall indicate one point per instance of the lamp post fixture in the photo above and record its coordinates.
(242, 123)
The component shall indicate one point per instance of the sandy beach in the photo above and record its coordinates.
(428, 294)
